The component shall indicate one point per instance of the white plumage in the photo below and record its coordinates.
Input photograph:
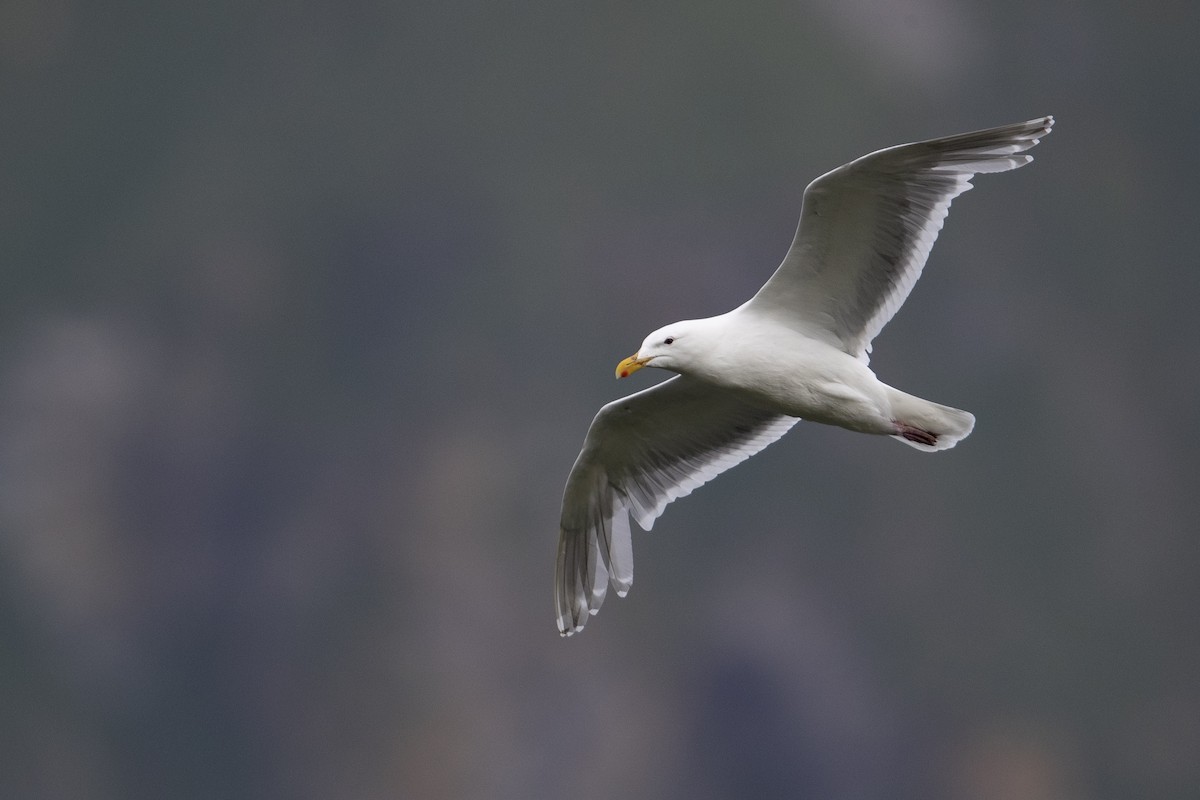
(798, 349)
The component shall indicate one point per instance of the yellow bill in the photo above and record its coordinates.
(631, 365)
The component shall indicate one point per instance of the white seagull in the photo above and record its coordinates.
(796, 350)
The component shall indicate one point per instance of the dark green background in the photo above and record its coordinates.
(305, 309)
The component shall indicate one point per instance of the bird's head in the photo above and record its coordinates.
(673, 347)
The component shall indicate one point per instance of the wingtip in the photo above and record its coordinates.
(1041, 125)
(1039, 128)
(568, 628)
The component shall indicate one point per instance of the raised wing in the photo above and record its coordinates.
(867, 227)
(642, 452)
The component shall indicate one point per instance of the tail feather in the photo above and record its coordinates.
(926, 425)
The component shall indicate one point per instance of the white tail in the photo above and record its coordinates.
(928, 426)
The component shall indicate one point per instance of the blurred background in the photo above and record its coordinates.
(306, 308)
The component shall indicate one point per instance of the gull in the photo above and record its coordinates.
(798, 349)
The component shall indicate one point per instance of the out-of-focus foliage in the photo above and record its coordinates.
(305, 308)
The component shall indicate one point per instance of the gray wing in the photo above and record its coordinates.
(642, 452)
(867, 227)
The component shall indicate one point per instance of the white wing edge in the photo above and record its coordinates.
(960, 162)
(581, 579)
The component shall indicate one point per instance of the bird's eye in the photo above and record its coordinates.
(669, 340)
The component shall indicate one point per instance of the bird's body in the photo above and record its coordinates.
(798, 349)
(792, 373)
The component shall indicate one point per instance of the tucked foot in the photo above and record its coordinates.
(918, 435)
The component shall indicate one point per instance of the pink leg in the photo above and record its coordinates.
(918, 435)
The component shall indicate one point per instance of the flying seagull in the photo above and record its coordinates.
(799, 349)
